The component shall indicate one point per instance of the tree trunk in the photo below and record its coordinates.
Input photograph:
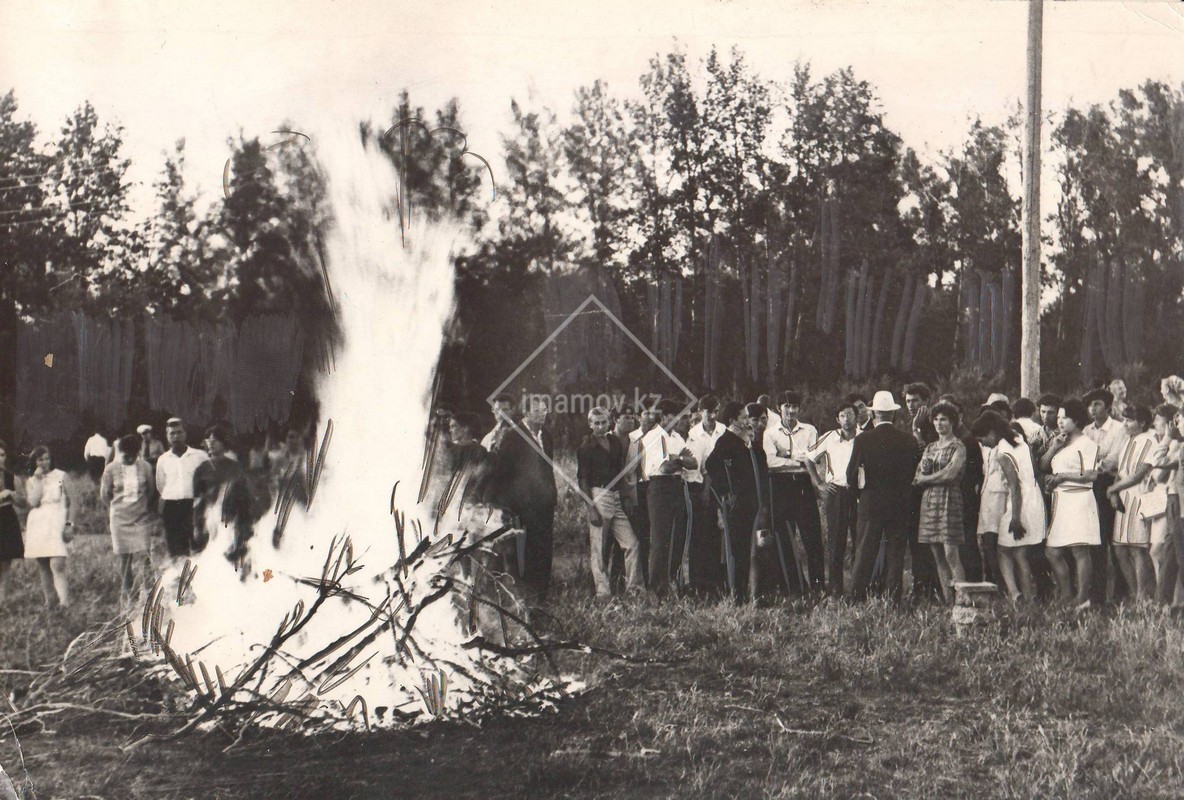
(902, 316)
(998, 325)
(710, 288)
(790, 331)
(1009, 305)
(972, 317)
(985, 321)
(1137, 321)
(754, 349)
(1101, 301)
(849, 361)
(910, 337)
(876, 344)
(1131, 314)
(676, 320)
(773, 315)
(1087, 330)
(860, 323)
(1114, 314)
(654, 298)
(824, 266)
(717, 326)
(865, 348)
(834, 267)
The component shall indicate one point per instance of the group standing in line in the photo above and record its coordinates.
(150, 492)
(1048, 496)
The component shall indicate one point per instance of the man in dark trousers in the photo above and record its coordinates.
(174, 484)
(738, 475)
(794, 505)
(526, 486)
(886, 459)
(665, 458)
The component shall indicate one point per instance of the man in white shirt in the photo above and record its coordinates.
(793, 503)
(665, 457)
(827, 463)
(1110, 436)
(647, 420)
(1024, 412)
(174, 481)
(97, 453)
(704, 548)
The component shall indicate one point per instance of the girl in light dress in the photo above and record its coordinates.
(48, 527)
(1019, 523)
(1131, 542)
(1073, 461)
(128, 487)
(1166, 455)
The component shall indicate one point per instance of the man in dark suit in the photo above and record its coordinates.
(887, 458)
(739, 483)
(526, 486)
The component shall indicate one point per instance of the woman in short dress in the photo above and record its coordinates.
(1018, 533)
(1072, 459)
(1166, 455)
(940, 475)
(46, 531)
(128, 487)
(12, 545)
(1132, 538)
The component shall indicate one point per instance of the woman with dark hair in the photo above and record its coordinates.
(128, 487)
(12, 544)
(940, 475)
(1131, 543)
(46, 531)
(1019, 524)
(1073, 460)
(1166, 455)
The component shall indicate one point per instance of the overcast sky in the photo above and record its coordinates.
(203, 71)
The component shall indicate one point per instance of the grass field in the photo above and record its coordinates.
(783, 701)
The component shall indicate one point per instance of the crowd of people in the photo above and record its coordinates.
(155, 493)
(1070, 499)
(1075, 499)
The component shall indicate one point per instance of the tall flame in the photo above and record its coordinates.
(327, 648)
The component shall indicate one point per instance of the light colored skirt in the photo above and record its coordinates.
(44, 532)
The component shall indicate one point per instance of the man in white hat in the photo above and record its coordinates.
(888, 459)
(152, 448)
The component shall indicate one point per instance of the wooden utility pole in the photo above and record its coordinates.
(1030, 326)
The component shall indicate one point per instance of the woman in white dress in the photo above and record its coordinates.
(47, 529)
(1018, 533)
(1131, 542)
(1073, 460)
(1166, 455)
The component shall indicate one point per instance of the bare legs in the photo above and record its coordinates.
(1061, 572)
(1135, 564)
(129, 581)
(54, 583)
(949, 567)
(1163, 558)
(1017, 573)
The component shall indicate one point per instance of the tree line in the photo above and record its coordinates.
(751, 233)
